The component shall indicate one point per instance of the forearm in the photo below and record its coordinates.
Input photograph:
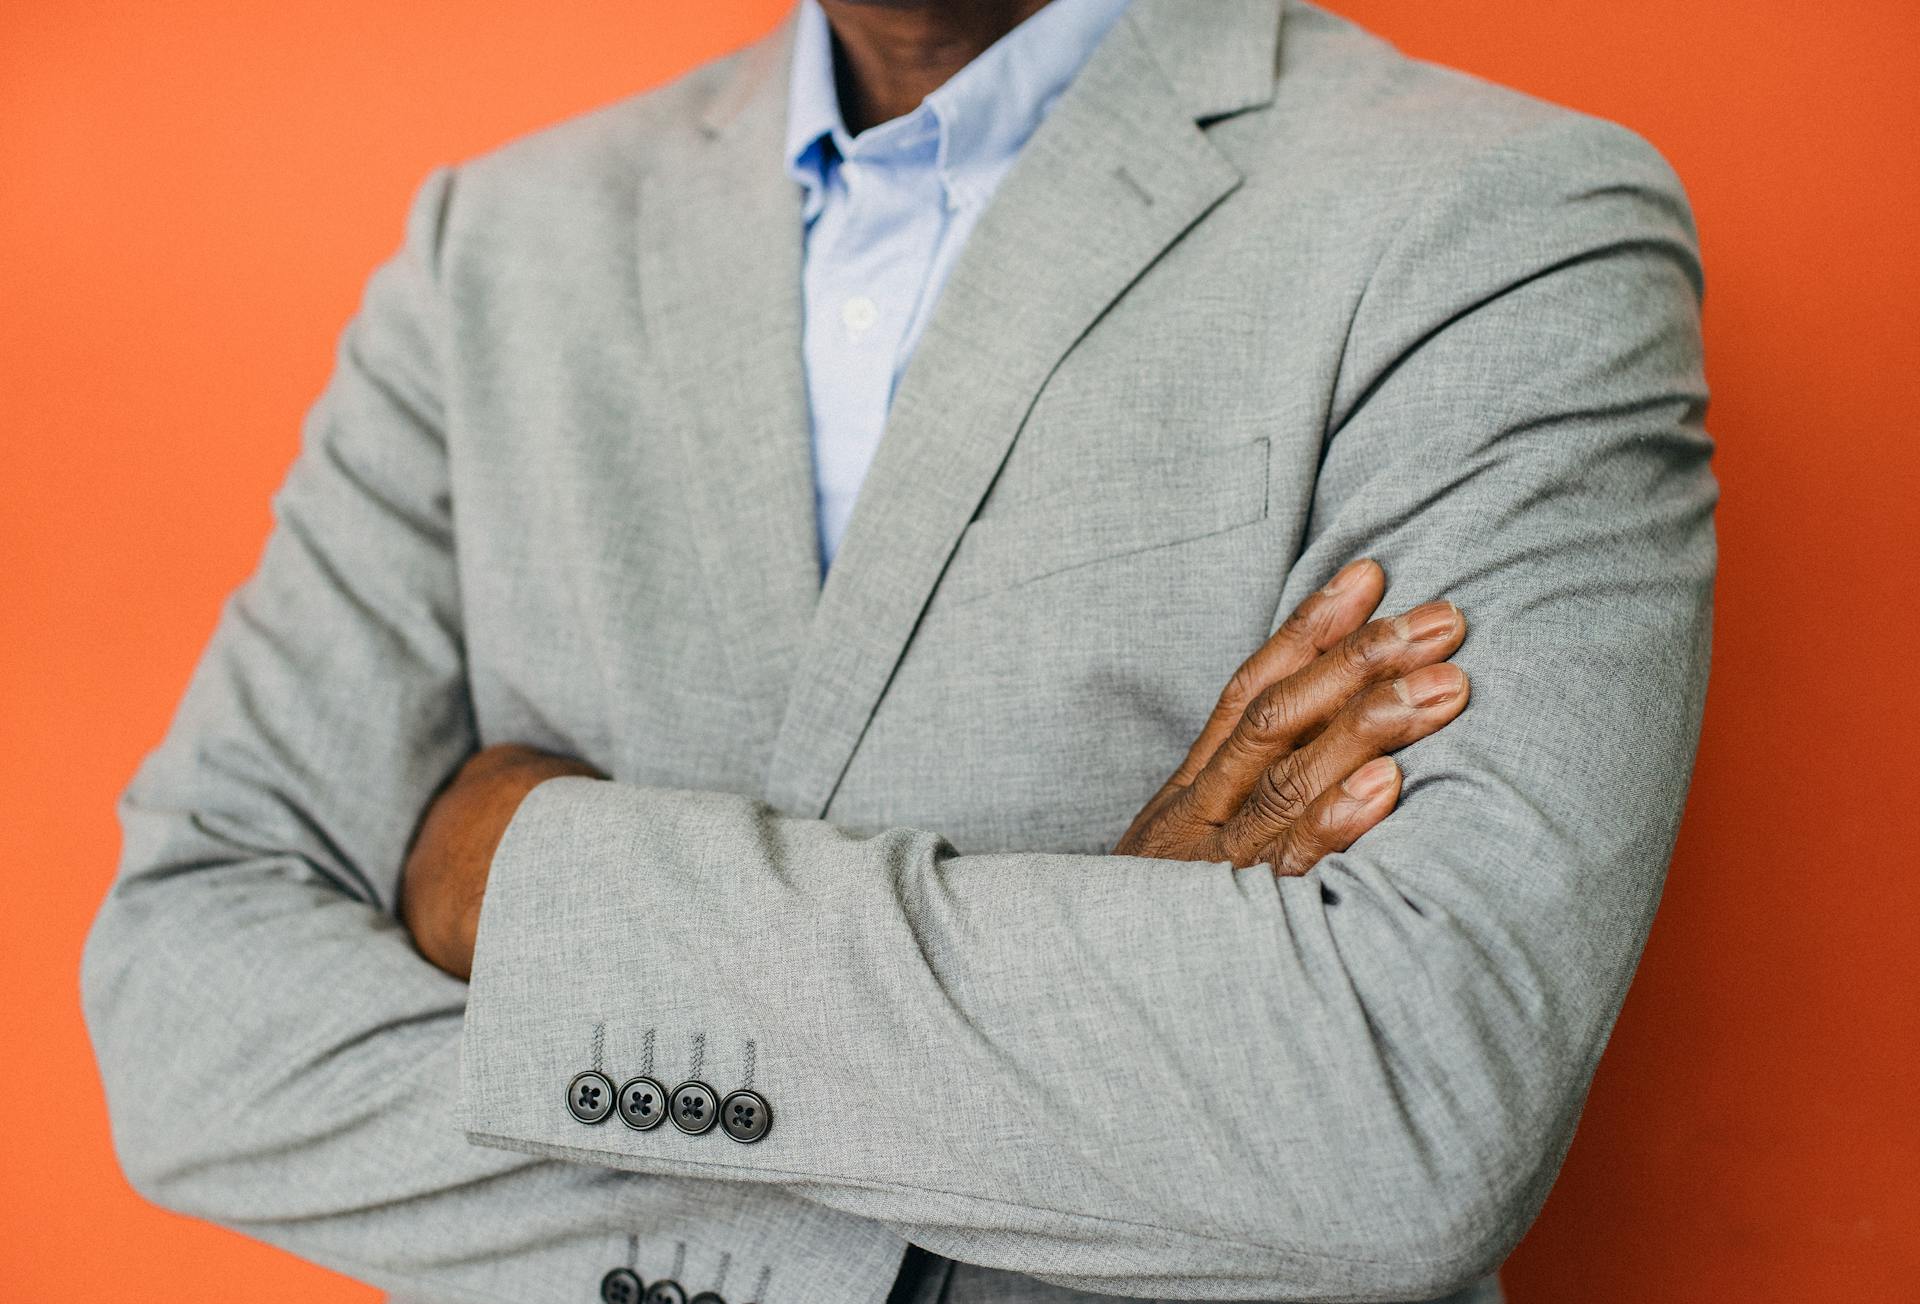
(301, 1090)
(278, 1059)
(1136, 1076)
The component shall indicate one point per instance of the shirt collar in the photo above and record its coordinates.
(978, 119)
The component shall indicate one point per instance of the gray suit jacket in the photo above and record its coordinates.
(1260, 296)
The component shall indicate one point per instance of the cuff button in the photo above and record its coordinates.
(666, 1291)
(707, 1297)
(590, 1096)
(746, 1116)
(621, 1286)
(642, 1105)
(695, 1108)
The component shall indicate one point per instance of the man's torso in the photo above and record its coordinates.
(1099, 468)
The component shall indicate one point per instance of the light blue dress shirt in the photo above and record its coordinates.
(887, 212)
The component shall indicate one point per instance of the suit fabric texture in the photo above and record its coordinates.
(1261, 295)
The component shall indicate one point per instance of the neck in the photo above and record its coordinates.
(891, 54)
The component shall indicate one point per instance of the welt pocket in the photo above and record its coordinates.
(1159, 503)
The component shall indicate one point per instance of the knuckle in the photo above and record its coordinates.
(1294, 783)
(1370, 648)
(1172, 833)
(1241, 687)
(1309, 627)
(1306, 620)
(1380, 712)
(1320, 627)
(1295, 626)
(1269, 714)
(1281, 794)
(1153, 844)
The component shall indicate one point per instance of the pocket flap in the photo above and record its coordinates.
(1124, 509)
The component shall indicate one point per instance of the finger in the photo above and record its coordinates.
(1290, 713)
(1335, 819)
(1380, 719)
(1325, 617)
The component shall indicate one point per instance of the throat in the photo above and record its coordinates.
(887, 58)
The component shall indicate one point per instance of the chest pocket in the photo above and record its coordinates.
(1117, 511)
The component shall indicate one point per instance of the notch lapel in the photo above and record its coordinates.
(719, 232)
(1115, 174)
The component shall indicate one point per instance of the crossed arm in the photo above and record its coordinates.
(1291, 764)
(1352, 1083)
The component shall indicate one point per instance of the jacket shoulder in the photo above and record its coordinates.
(583, 166)
(1344, 93)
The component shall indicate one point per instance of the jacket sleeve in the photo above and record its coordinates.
(276, 1056)
(1157, 1077)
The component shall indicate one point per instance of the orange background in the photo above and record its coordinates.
(192, 195)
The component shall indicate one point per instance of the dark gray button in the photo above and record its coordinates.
(707, 1297)
(621, 1286)
(643, 1104)
(666, 1290)
(745, 1116)
(695, 1107)
(590, 1096)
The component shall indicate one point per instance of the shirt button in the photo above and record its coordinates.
(745, 1116)
(590, 1096)
(642, 1104)
(859, 313)
(695, 1109)
(707, 1297)
(666, 1291)
(621, 1286)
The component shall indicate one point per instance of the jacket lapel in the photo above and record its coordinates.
(1114, 175)
(719, 232)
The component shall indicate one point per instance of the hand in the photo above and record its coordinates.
(1292, 765)
(445, 875)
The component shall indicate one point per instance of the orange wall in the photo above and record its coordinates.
(192, 194)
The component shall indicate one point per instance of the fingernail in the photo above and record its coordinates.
(1370, 780)
(1430, 685)
(1345, 578)
(1429, 620)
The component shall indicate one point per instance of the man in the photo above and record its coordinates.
(846, 939)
